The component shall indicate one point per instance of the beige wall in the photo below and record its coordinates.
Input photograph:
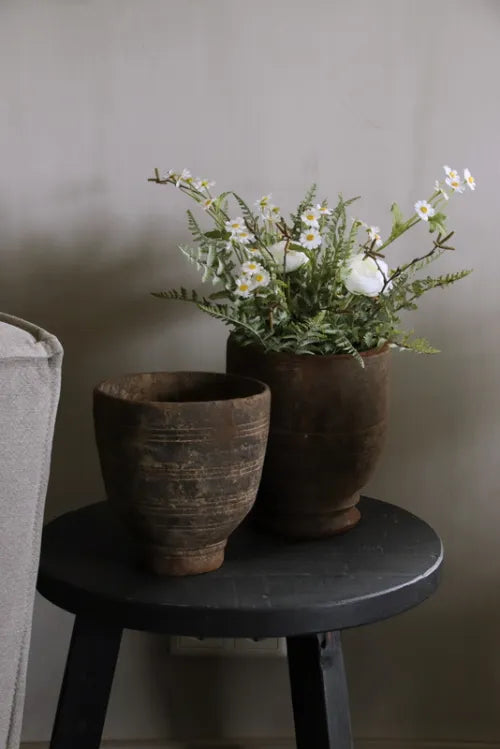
(361, 96)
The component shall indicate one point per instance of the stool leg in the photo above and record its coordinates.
(319, 692)
(86, 686)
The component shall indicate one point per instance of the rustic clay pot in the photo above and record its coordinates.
(328, 422)
(181, 455)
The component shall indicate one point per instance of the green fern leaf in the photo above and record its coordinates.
(249, 217)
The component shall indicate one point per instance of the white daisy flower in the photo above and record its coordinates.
(253, 252)
(250, 267)
(374, 236)
(439, 189)
(273, 213)
(294, 258)
(207, 204)
(323, 209)
(169, 174)
(202, 183)
(365, 275)
(263, 202)
(243, 287)
(310, 239)
(455, 183)
(451, 173)
(310, 217)
(260, 278)
(424, 210)
(235, 225)
(244, 236)
(469, 179)
(184, 176)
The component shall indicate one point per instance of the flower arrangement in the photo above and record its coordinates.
(309, 284)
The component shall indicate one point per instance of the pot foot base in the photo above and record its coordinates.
(303, 527)
(190, 562)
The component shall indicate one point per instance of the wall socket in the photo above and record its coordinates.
(269, 647)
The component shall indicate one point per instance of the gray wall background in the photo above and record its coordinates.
(361, 96)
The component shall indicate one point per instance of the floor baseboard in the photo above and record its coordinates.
(280, 744)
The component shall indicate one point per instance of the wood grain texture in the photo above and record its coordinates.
(181, 456)
(84, 695)
(268, 587)
(319, 692)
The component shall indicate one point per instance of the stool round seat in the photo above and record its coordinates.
(267, 587)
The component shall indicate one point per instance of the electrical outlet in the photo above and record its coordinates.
(270, 647)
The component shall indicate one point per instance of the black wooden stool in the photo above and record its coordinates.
(306, 592)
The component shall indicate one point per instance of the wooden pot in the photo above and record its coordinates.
(328, 423)
(181, 456)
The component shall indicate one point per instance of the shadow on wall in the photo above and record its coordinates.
(215, 698)
(413, 680)
(439, 422)
(93, 294)
(92, 291)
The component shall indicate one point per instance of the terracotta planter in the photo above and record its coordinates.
(181, 455)
(328, 423)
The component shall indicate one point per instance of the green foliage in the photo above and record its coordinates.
(398, 222)
(418, 345)
(247, 214)
(309, 199)
(213, 260)
(309, 310)
(437, 223)
(251, 325)
(336, 251)
(194, 228)
(181, 295)
(422, 285)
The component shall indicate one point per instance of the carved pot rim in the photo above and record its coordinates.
(150, 389)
